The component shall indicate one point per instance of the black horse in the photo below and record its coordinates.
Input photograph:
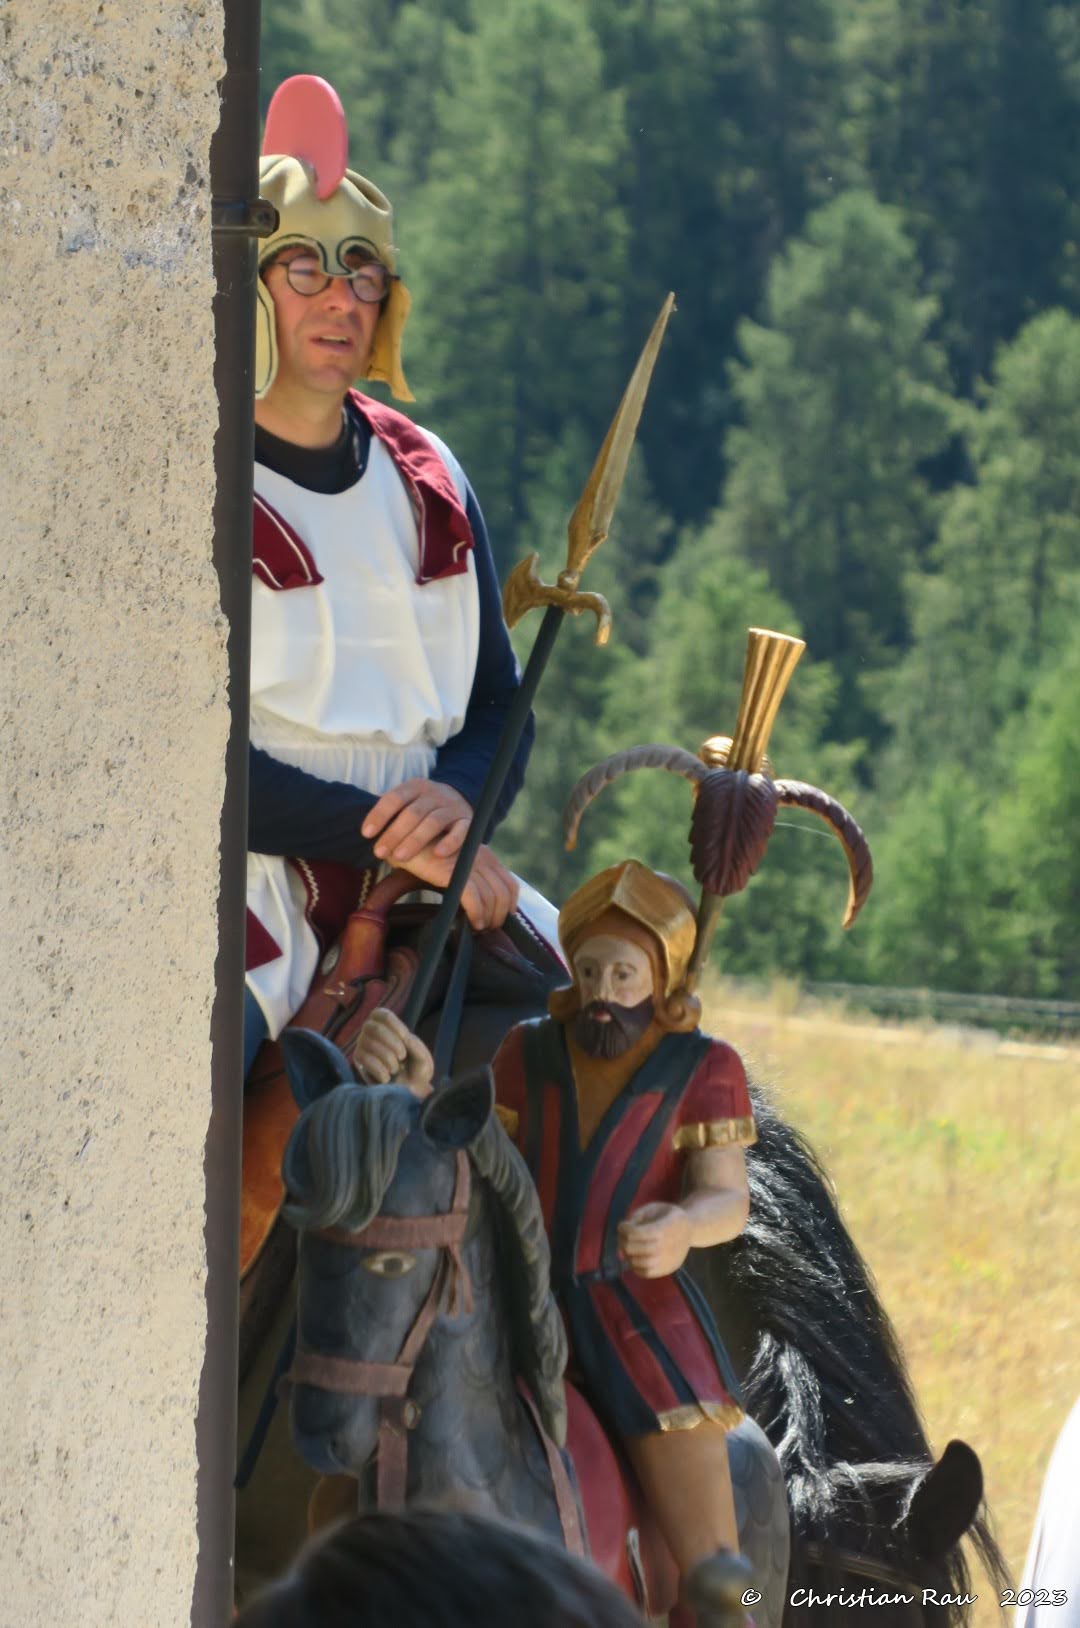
(822, 1372)
(873, 1525)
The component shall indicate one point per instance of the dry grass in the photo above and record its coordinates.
(957, 1161)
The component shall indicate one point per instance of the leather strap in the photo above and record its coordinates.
(405, 1232)
(566, 1498)
(348, 1377)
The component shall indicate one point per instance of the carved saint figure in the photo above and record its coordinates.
(633, 1123)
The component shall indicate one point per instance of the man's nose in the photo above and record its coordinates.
(337, 295)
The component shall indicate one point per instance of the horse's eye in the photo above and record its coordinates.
(387, 1263)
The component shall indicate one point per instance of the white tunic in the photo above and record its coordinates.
(1052, 1570)
(360, 678)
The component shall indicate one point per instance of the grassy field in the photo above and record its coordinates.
(956, 1156)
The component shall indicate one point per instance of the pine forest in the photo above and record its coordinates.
(864, 427)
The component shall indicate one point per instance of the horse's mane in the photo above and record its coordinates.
(342, 1155)
(825, 1376)
(540, 1337)
(338, 1165)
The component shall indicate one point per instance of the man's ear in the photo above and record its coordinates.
(455, 1114)
(314, 1066)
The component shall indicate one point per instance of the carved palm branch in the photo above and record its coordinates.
(735, 794)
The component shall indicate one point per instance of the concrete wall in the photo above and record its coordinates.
(114, 720)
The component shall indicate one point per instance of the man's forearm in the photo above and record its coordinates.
(296, 814)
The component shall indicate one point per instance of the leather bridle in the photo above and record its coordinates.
(388, 1382)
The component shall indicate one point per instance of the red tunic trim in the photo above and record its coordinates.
(260, 946)
(333, 893)
(282, 560)
(280, 557)
(441, 522)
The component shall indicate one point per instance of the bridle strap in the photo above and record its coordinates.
(401, 1232)
(389, 1381)
(349, 1378)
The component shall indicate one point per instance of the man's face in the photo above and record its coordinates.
(324, 340)
(615, 982)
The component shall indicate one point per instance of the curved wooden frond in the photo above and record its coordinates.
(733, 818)
(797, 794)
(602, 774)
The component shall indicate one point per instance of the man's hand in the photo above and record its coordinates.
(491, 892)
(656, 1239)
(416, 815)
(386, 1050)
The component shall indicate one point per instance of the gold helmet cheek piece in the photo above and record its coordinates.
(384, 363)
(266, 351)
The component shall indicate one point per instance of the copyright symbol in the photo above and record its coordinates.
(751, 1596)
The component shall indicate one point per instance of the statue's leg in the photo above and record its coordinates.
(686, 1480)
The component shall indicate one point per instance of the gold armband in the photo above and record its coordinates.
(508, 1119)
(727, 1414)
(717, 1133)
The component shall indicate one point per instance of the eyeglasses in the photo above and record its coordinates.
(370, 282)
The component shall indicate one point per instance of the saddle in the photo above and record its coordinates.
(374, 963)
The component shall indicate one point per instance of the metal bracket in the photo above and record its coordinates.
(243, 217)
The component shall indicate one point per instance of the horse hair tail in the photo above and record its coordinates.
(823, 1373)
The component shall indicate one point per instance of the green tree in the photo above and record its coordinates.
(731, 117)
(843, 397)
(1034, 830)
(935, 919)
(1002, 596)
(517, 249)
(959, 112)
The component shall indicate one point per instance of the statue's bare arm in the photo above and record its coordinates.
(657, 1238)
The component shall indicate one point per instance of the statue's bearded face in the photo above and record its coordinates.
(614, 977)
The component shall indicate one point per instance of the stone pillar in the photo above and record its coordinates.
(114, 723)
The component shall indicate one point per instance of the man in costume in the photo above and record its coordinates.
(381, 669)
(633, 1124)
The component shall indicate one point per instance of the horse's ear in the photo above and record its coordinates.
(945, 1502)
(313, 1064)
(455, 1114)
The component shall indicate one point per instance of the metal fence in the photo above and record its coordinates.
(1000, 1012)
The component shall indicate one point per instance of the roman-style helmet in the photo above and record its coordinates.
(655, 902)
(328, 208)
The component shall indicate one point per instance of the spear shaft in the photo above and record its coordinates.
(443, 920)
(588, 527)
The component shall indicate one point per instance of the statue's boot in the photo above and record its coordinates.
(712, 1594)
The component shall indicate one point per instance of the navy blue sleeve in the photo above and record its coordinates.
(293, 813)
(463, 761)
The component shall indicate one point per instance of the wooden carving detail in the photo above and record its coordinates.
(733, 818)
(797, 794)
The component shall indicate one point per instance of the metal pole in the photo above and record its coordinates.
(234, 174)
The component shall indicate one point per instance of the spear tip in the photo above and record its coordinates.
(591, 519)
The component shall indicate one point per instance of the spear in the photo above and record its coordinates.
(589, 525)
